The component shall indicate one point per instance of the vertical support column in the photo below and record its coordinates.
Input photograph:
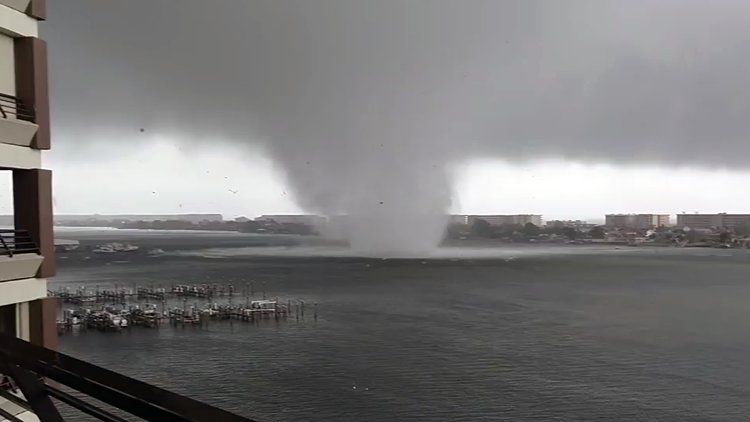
(43, 322)
(32, 200)
(22, 321)
(8, 319)
(37, 9)
(32, 85)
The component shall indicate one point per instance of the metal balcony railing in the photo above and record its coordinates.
(17, 242)
(30, 367)
(11, 106)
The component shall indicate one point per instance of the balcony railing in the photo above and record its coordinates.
(11, 107)
(30, 367)
(17, 242)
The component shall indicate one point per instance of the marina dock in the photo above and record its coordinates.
(150, 307)
(122, 294)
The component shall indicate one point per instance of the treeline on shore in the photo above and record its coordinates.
(518, 232)
(738, 235)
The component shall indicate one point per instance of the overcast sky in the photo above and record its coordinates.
(569, 109)
(553, 188)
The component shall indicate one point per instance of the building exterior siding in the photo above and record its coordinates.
(25, 134)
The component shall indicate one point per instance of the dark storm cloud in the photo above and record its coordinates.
(364, 103)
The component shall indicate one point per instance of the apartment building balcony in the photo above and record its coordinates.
(20, 258)
(17, 122)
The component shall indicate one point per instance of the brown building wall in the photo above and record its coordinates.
(43, 322)
(32, 199)
(32, 188)
(32, 86)
(37, 9)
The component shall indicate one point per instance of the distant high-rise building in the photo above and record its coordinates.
(705, 221)
(499, 220)
(459, 219)
(620, 220)
(649, 221)
(636, 221)
(731, 220)
(574, 224)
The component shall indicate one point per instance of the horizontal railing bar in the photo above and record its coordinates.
(16, 111)
(100, 392)
(10, 105)
(17, 241)
(136, 397)
(111, 396)
(20, 244)
(19, 116)
(14, 253)
(17, 102)
(15, 399)
(32, 388)
(81, 405)
(9, 416)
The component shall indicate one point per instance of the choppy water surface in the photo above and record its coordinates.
(614, 336)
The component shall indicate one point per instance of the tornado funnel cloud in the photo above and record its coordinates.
(394, 195)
